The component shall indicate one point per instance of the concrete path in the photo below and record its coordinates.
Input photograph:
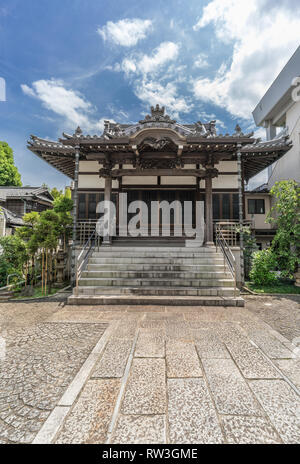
(149, 375)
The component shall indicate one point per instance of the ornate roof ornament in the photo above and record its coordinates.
(200, 129)
(212, 128)
(112, 130)
(78, 132)
(157, 115)
(238, 131)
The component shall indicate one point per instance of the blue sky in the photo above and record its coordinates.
(73, 62)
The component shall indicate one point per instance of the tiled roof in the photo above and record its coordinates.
(25, 192)
(12, 218)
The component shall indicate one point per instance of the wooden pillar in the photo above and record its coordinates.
(75, 209)
(107, 199)
(241, 212)
(209, 212)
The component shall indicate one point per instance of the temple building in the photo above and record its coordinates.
(160, 159)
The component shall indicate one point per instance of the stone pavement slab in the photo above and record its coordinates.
(192, 416)
(127, 328)
(182, 360)
(290, 368)
(249, 430)
(150, 344)
(178, 331)
(230, 391)
(114, 359)
(270, 345)
(248, 358)
(282, 406)
(140, 430)
(146, 388)
(209, 345)
(89, 419)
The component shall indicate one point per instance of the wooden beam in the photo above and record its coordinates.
(159, 172)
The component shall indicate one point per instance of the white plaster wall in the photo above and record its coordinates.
(90, 181)
(228, 182)
(143, 180)
(89, 166)
(227, 166)
(259, 219)
(288, 167)
(176, 180)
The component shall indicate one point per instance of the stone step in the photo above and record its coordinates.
(155, 254)
(155, 249)
(156, 267)
(153, 260)
(154, 282)
(171, 291)
(152, 300)
(154, 274)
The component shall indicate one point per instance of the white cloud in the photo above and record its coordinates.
(126, 32)
(153, 93)
(154, 77)
(67, 103)
(144, 64)
(201, 61)
(260, 50)
(27, 90)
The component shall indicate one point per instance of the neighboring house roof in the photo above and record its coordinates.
(279, 95)
(41, 193)
(12, 218)
(260, 155)
(260, 189)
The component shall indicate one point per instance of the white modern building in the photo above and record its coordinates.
(279, 110)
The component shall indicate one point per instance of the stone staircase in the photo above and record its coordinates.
(156, 275)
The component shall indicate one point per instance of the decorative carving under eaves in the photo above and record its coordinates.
(162, 144)
(211, 172)
(105, 172)
(158, 163)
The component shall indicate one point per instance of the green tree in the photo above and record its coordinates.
(250, 247)
(9, 174)
(56, 193)
(285, 216)
(13, 258)
(262, 270)
(63, 206)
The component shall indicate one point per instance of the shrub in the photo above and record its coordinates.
(263, 263)
(285, 217)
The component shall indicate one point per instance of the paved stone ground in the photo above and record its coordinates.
(159, 375)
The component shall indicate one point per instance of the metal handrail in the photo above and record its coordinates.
(228, 256)
(83, 256)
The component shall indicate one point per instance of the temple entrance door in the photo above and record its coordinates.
(149, 196)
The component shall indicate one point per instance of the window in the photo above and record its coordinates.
(256, 206)
(81, 206)
(92, 206)
(225, 206)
